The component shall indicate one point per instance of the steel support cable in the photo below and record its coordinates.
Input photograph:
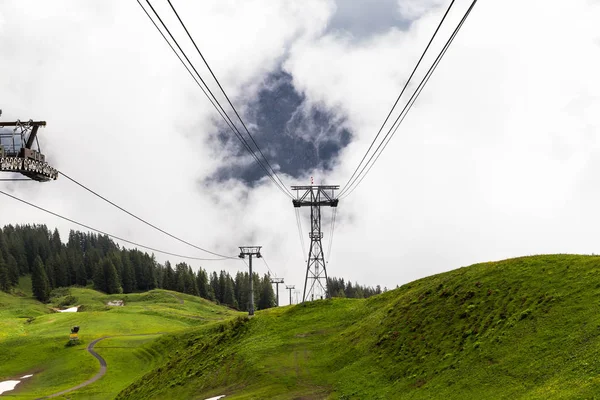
(227, 97)
(330, 232)
(267, 265)
(410, 103)
(334, 216)
(399, 96)
(217, 106)
(184, 64)
(110, 235)
(299, 226)
(143, 220)
(301, 231)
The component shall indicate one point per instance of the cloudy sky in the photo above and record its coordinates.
(499, 157)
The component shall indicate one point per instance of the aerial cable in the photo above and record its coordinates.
(408, 105)
(227, 97)
(333, 218)
(399, 96)
(141, 219)
(268, 268)
(217, 106)
(110, 235)
(184, 64)
(299, 226)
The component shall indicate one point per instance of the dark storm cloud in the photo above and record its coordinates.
(294, 136)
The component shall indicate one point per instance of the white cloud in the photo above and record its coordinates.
(414, 9)
(498, 158)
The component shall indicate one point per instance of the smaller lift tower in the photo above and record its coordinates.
(250, 251)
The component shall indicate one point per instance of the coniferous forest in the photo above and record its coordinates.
(88, 258)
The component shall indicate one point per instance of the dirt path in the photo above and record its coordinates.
(102, 361)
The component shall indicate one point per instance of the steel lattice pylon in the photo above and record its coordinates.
(315, 196)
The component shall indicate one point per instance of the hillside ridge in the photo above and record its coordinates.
(527, 327)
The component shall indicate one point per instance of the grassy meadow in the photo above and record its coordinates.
(525, 328)
(33, 337)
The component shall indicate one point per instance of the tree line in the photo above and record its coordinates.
(88, 258)
(337, 287)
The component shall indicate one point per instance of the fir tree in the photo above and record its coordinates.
(267, 296)
(228, 293)
(128, 277)
(13, 269)
(99, 279)
(80, 274)
(60, 269)
(39, 281)
(112, 279)
(214, 285)
(169, 281)
(49, 268)
(202, 283)
(4, 277)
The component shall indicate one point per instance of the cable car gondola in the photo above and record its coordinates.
(17, 152)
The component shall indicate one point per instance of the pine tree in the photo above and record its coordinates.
(60, 269)
(99, 278)
(49, 268)
(80, 274)
(112, 279)
(267, 296)
(39, 281)
(229, 294)
(106, 278)
(17, 249)
(13, 269)
(169, 282)
(214, 285)
(55, 242)
(241, 290)
(191, 287)
(5, 282)
(202, 283)
(128, 277)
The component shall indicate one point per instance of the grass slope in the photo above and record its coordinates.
(521, 328)
(33, 337)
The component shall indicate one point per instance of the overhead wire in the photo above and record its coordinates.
(212, 98)
(108, 234)
(226, 97)
(248, 266)
(391, 132)
(300, 235)
(183, 63)
(142, 219)
(333, 218)
(267, 265)
(400, 95)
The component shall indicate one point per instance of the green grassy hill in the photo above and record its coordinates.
(33, 337)
(523, 328)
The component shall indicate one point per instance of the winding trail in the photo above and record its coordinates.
(102, 361)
